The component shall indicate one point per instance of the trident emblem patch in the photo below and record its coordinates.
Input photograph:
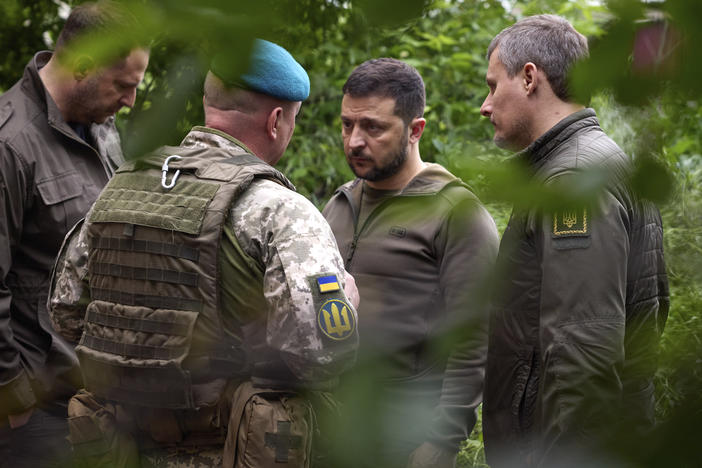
(569, 223)
(336, 320)
(570, 218)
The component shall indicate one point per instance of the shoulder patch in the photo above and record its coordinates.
(328, 283)
(571, 223)
(335, 320)
(571, 229)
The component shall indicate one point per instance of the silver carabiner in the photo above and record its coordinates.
(164, 171)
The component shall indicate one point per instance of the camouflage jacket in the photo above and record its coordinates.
(303, 278)
(49, 177)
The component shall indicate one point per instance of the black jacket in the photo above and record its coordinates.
(49, 177)
(575, 325)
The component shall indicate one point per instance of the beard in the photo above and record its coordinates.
(84, 102)
(382, 172)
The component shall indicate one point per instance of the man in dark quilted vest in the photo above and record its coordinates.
(58, 148)
(576, 321)
(206, 296)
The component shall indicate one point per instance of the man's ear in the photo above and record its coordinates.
(530, 78)
(416, 128)
(82, 66)
(272, 122)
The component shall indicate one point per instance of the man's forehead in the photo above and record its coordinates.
(495, 67)
(372, 105)
(494, 63)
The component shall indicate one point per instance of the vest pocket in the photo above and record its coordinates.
(133, 354)
(96, 437)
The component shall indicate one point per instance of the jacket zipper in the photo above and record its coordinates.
(356, 231)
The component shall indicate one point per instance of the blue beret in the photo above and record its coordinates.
(271, 71)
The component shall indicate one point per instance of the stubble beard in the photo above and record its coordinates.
(378, 173)
(517, 138)
(82, 101)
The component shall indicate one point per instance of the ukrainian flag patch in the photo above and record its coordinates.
(336, 320)
(328, 283)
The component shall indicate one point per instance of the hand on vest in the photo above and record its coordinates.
(429, 455)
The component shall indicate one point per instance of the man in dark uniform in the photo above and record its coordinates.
(58, 148)
(419, 244)
(207, 297)
(575, 325)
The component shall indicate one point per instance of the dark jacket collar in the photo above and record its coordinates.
(35, 89)
(32, 84)
(535, 154)
(430, 180)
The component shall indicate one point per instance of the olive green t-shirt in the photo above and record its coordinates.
(370, 199)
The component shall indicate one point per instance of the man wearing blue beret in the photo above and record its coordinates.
(208, 300)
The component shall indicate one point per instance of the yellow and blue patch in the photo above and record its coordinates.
(328, 283)
(336, 320)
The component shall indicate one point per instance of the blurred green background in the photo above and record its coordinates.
(642, 78)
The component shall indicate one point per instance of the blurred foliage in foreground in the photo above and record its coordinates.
(642, 78)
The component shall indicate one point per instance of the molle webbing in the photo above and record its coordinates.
(141, 325)
(130, 198)
(154, 323)
(146, 300)
(137, 351)
(143, 246)
(151, 274)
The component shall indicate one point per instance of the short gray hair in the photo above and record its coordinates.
(548, 41)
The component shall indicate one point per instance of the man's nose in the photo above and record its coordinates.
(128, 98)
(356, 139)
(486, 108)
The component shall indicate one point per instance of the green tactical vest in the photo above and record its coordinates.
(153, 327)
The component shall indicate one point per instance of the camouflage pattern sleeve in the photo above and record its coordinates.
(69, 294)
(309, 318)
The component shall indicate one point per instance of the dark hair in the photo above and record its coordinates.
(91, 17)
(548, 41)
(388, 77)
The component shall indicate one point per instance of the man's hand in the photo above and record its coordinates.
(429, 455)
(351, 290)
(19, 420)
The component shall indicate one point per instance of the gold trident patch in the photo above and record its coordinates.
(572, 222)
(570, 218)
(340, 320)
(337, 320)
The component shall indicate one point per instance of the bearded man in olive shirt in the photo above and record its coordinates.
(419, 244)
